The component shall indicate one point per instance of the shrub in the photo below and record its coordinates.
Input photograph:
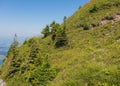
(93, 9)
(40, 74)
(86, 27)
(61, 38)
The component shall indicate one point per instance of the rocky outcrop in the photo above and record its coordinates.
(107, 19)
(114, 19)
(2, 83)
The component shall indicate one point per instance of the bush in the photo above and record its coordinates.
(60, 43)
(41, 74)
(86, 27)
(93, 9)
(61, 38)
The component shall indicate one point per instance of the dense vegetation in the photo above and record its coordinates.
(83, 51)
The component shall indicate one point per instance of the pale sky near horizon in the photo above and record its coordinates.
(28, 17)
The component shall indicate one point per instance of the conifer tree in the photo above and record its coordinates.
(12, 54)
(59, 34)
(46, 31)
(61, 38)
(53, 26)
(64, 20)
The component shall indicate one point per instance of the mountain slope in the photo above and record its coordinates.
(91, 57)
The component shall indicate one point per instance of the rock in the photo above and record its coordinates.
(2, 83)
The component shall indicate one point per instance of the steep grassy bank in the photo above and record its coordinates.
(90, 58)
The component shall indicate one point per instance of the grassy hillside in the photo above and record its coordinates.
(90, 58)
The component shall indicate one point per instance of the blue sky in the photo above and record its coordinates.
(28, 17)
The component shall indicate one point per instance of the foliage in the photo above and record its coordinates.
(41, 74)
(61, 38)
(64, 20)
(86, 27)
(58, 33)
(14, 63)
(46, 31)
(32, 68)
(90, 58)
(93, 9)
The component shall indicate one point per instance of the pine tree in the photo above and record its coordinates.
(61, 38)
(54, 27)
(46, 31)
(64, 20)
(12, 54)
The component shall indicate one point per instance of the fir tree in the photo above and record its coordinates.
(46, 31)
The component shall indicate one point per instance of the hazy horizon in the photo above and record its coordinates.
(29, 17)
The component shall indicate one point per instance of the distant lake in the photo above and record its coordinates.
(4, 46)
(3, 51)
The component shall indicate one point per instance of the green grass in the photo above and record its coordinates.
(91, 57)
